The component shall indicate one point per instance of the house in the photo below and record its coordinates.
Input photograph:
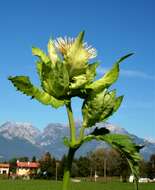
(26, 168)
(4, 168)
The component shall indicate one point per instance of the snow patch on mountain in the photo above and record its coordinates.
(26, 131)
(51, 138)
(52, 134)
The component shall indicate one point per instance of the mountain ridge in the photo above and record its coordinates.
(23, 138)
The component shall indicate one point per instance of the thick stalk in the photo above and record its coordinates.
(136, 184)
(71, 123)
(67, 170)
(72, 149)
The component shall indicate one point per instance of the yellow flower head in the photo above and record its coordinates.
(75, 53)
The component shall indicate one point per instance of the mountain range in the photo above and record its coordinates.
(23, 139)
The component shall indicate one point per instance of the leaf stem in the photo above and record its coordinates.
(71, 123)
(81, 134)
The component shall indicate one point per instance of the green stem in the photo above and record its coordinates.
(72, 149)
(81, 135)
(68, 167)
(71, 123)
(136, 184)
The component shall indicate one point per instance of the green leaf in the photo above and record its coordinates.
(91, 71)
(124, 57)
(52, 52)
(39, 53)
(78, 81)
(99, 107)
(109, 78)
(23, 84)
(118, 102)
(55, 80)
(125, 145)
(81, 80)
(66, 141)
(76, 57)
(39, 69)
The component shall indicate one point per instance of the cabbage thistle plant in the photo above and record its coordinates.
(66, 73)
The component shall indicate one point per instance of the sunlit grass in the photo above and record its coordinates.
(53, 185)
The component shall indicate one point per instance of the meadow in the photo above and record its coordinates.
(53, 185)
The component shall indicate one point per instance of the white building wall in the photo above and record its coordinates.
(4, 170)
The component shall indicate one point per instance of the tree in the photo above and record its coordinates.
(83, 164)
(53, 164)
(23, 159)
(97, 160)
(143, 168)
(66, 73)
(62, 166)
(113, 162)
(124, 168)
(33, 159)
(47, 166)
(12, 163)
(151, 167)
(109, 162)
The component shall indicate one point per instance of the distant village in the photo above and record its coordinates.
(23, 169)
(100, 164)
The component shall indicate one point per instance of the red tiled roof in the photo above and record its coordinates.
(4, 165)
(28, 164)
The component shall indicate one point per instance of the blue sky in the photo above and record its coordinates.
(113, 27)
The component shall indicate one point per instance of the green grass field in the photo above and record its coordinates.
(52, 185)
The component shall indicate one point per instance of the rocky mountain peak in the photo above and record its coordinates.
(51, 139)
(26, 131)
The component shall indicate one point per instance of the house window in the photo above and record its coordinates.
(4, 171)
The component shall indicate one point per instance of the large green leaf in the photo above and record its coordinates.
(109, 78)
(39, 53)
(99, 107)
(124, 144)
(55, 79)
(23, 84)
